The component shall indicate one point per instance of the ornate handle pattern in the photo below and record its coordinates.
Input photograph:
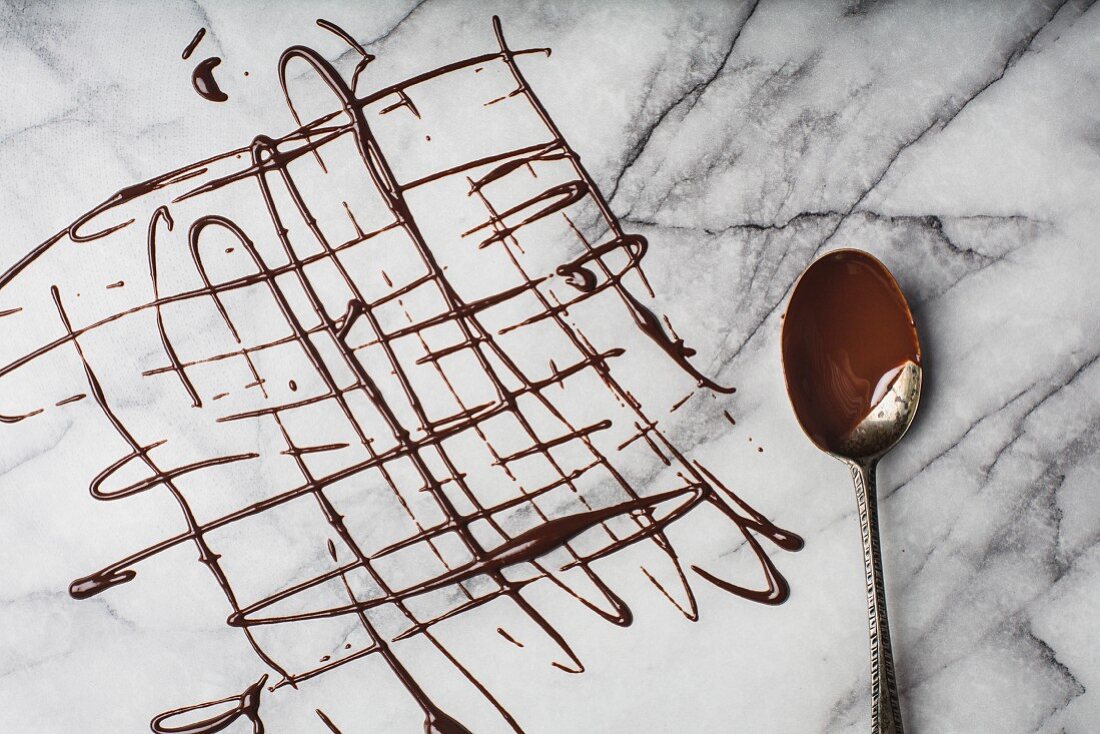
(885, 707)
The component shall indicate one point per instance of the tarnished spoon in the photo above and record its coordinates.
(852, 361)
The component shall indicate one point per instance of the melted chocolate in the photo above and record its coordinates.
(97, 583)
(194, 42)
(202, 78)
(646, 516)
(847, 333)
(327, 722)
(245, 704)
(364, 57)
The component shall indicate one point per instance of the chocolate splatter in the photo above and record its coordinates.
(636, 515)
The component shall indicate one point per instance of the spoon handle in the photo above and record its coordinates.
(885, 707)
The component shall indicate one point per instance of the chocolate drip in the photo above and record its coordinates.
(327, 722)
(675, 348)
(440, 723)
(355, 310)
(547, 537)
(579, 277)
(202, 78)
(18, 418)
(364, 57)
(162, 213)
(637, 515)
(558, 198)
(847, 334)
(97, 583)
(193, 43)
(246, 704)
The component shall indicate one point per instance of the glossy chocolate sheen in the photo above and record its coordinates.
(202, 78)
(847, 333)
(587, 272)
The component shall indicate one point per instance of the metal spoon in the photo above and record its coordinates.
(851, 359)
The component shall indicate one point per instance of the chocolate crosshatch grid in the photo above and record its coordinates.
(392, 372)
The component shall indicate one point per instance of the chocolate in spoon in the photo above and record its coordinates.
(852, 362)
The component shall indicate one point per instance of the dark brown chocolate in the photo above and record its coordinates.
(847, 333)
(588, 273)
(202, 78)
(194, 42)
(246, 704)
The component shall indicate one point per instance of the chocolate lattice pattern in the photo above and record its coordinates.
(373, 341)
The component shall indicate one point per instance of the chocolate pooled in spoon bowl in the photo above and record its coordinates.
(852, 361)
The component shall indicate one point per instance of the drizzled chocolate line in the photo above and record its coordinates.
(642, 517)
(162, 213)
(99, 582)
(193, 43)
(364, 57)
(505, 634)
(327, 721)
(70, 399)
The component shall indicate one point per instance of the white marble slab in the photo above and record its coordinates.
(959, 143)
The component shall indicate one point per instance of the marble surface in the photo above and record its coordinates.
(958, 142)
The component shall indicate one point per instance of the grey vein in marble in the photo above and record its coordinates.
(958, 142)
